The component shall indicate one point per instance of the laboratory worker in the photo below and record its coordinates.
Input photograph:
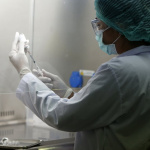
(112, 111)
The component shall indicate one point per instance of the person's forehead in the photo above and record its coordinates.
(101, 23)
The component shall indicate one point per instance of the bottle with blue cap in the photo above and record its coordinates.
(76, 80)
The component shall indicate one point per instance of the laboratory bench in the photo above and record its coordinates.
(51, 139)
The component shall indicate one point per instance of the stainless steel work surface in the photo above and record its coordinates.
(52, 138)
(64, 144)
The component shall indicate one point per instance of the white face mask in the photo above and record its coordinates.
(110, 48)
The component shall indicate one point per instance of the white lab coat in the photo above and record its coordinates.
(112, 112)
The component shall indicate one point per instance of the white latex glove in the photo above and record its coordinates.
(54, 83)
(17, 55)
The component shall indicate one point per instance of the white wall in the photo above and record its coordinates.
(15, 15)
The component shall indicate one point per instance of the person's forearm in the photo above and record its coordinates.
(72, 94)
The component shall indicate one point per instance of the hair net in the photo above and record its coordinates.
(129, 17)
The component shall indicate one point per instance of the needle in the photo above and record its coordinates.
(37, 67)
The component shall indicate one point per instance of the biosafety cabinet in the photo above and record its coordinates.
(61, 40)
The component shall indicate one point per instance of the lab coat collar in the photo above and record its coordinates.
(136, 51)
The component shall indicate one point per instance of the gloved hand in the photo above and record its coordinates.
(17, 55)
(54, 83)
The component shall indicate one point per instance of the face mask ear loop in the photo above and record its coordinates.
(106, 29)
(116, 39)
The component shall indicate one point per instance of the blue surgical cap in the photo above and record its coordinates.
(129, 17)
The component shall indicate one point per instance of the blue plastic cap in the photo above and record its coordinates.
(76, 80)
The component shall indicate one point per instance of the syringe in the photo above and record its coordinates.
(37, 67)
(26, 48)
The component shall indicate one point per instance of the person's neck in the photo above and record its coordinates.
(126, 45)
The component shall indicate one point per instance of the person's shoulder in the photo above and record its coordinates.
(113, 63)
(118, 64)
